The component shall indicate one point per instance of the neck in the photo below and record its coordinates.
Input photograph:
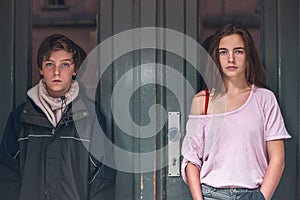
(237, 86)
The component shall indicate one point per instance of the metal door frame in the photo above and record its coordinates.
(15, 40)
(280, 53)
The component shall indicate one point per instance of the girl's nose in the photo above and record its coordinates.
(231, 58)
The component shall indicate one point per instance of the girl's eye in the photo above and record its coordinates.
(222, 52)
(238, 52)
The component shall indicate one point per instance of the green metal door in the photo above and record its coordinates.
(144, 72)
(146, 89)
(15, 40)
(280, 52)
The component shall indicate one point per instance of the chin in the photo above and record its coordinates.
(57, 93)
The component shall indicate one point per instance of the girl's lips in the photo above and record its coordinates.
(231, 67)
(56, 81)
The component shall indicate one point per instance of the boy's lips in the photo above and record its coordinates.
(56, 81)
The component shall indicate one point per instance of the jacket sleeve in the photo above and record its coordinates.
(9, 159)
(102, 185)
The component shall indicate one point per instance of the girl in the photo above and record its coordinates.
(234, 147)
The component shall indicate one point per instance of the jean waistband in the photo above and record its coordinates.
(233, 189)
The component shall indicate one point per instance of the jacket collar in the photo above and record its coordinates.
(32, 114)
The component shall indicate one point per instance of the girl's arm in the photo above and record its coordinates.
(193, 176)
(275, 168)
(192, 171)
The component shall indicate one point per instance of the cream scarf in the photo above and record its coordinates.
(52, 107)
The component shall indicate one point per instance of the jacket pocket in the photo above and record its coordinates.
(95, 169)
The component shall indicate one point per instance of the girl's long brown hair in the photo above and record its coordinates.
(255, 72)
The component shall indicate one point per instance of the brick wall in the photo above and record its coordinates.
(77, 20)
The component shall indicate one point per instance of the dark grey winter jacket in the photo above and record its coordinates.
(41, 162)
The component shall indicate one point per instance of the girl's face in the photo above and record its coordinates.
(58, 71)
(232, 56)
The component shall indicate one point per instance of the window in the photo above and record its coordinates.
(56, 2)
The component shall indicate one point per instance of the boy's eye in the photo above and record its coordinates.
(49, 64)
(65, 64)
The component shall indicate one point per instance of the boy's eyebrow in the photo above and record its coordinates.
(66, 59)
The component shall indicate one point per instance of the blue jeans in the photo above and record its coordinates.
(211, 193)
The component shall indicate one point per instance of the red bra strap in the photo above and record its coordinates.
(206, 101)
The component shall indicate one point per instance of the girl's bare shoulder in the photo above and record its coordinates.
(198, 103)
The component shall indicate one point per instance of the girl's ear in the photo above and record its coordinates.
(41, 73)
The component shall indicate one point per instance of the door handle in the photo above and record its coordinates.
(174, 136)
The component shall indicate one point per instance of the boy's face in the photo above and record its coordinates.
(58, 71)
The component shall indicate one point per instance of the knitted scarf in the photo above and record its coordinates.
(52, 107)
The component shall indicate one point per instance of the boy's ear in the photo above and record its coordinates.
(75, 72)
(41, 72)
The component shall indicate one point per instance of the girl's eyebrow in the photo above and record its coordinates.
(239, 48)
(236, 48)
